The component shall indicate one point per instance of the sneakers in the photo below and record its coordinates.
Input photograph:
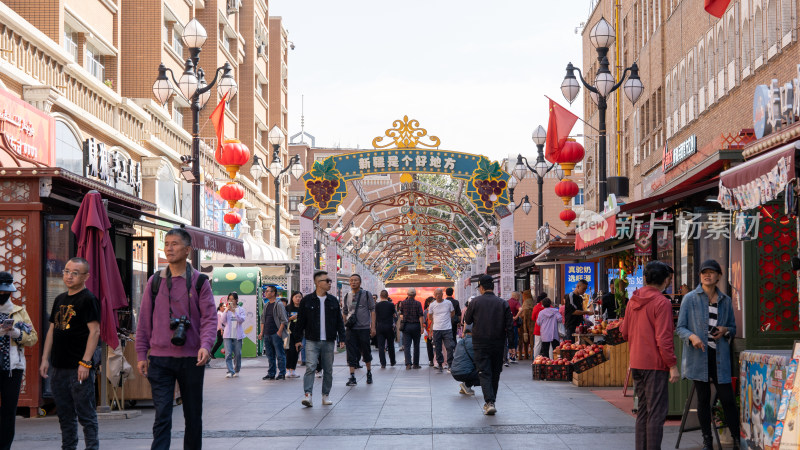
(464, 389)
(352, 381)
(489, 409)
(268, 377)
(228, 375)
(326, 401)
(417, 366)
(319, 374)
(430, 363)
(235, 374)
(307, 401)
(281, 377)
(293, 375)
(505, 364)
(408, 366)
(448, 370)
(369, 377)
(438, 369)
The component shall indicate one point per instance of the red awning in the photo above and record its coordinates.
(207, 240)
(759, 180)
(668, 198)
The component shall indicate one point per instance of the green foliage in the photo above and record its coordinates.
(621, 294)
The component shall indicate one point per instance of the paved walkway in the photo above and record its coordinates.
(417, 409)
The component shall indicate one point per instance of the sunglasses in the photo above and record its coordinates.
(327, 280)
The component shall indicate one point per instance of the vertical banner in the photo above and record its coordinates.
(480, 262)
(306, 255)
(491, 252)
(507, 256)
(331, 253)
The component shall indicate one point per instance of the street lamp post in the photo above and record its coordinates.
(602, 37)
(193, 87)
(276, 169)
(539, 169)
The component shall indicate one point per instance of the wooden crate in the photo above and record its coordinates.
(610, 373)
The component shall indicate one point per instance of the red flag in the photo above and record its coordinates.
(716, 7)
(559, 125)
(218, 120)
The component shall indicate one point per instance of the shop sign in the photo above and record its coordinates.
(573, 273)
(28, 131)
(775, 106)
(680, 153)
(593, 228)
(543, 235)
(112, 167)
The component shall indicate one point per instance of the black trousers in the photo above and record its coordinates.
(725, 394)
(468, 380)
(292, 354)
(217, 344)
(9, 396)
(411, 332)
(429, 345)
(489, 362)
(652, 389)
(163, 372)
(547, 346)
(357, 344)
(385, 335)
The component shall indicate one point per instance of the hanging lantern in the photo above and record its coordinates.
(566, 189)
(232, 219)
(232, 193)
(567, 216)
(232, 154)
(571, 153)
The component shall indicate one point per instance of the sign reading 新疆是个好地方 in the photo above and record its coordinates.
(680, 153)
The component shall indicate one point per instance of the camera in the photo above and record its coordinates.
(179, 325)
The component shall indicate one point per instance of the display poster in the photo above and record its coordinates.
(506, 256)
(576, 272)
(243, 281)
(764, 376)
(306, 255)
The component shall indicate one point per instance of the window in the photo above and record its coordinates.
(71, 42)
(94, 63)
(259, 135)
(758, 38)
(578, 199)
(259, 89)
(167, 190)
(720, 50)
(772, 23)
(294, 200)
(177, 41)
(226, 42)
(177, 115)
(69, 149)
(731, 41)
(710, 59)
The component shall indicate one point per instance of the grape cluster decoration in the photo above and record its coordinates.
(324, 187)
(487, 185)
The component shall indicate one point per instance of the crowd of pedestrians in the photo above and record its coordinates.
(180, 327)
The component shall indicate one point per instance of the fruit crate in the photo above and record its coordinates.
(558, 372)
(614, 337)
(539, 371)
(567, 354)
(587, 363)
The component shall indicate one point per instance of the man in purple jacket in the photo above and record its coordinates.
(173, 340)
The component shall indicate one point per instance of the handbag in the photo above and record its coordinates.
(351, 321)
(286, 343)
(400, 326)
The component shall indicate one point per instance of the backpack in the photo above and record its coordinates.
(155, 286)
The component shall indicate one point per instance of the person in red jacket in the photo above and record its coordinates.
(537, 340)
(649, 330)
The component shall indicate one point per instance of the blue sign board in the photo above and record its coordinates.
(576, 272)
(635, 279)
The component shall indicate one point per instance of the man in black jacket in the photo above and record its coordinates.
(490, 317)
(457, 306)
(319, 321)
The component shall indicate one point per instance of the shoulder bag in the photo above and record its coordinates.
(352, 320)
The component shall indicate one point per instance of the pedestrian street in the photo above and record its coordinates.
(410, 409)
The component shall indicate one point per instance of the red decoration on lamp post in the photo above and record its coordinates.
(232, 193)
(232, 154)
(566, 189)
(232, 219)
(571, 153)
(567, 216)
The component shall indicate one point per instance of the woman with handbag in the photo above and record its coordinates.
(16, 333)
(292, 353)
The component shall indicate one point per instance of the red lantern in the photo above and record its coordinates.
(567, 216)
(233, 154)
(566, 189)
(571, 153)
(232, 193)
(232, 219)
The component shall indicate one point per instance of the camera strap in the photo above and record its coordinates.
(188, 289)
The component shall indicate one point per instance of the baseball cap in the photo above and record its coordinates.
(7, 282)
(412, 291)
(710, 264)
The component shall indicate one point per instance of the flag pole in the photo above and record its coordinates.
(584, 122)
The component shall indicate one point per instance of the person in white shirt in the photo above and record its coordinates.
(441, 314)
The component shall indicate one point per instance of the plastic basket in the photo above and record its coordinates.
(587, 363)
(614, 337)
(539, 371)
(559, 372)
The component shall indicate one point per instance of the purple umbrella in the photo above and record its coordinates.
(94, 244)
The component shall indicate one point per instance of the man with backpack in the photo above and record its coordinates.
(176, 328)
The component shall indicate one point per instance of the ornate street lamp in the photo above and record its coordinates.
(276, 169)
(193, 87)
(539, 170)
(602, 37)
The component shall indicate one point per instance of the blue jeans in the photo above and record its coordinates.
(75, 403)
(316, 350)
(162, 374)
(273, 344)
(233, 354)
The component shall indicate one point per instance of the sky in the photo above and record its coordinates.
(473, 73)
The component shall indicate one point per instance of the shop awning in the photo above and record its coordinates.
(207, 240)
(759, 180)
(667, 199)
